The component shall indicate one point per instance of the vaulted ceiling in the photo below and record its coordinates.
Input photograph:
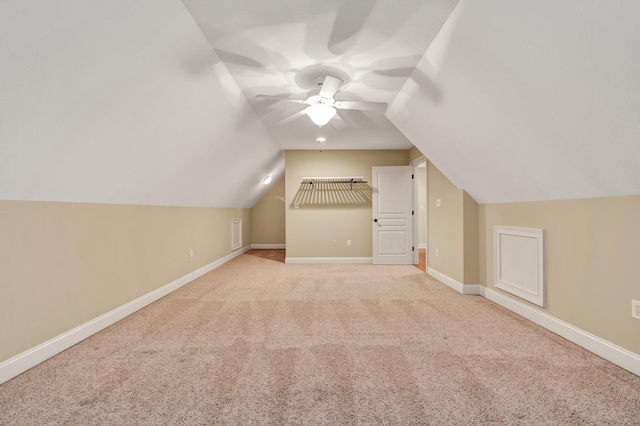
(154, 101)
(278, 47)
(530, 100)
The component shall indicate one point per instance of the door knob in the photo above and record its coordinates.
(375, 220)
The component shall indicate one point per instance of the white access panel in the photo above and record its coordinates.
(519, 262)
(236, 234)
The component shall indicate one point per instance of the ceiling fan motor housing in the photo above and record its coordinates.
(319, 100)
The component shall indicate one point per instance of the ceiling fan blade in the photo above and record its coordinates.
(351, 18)
(362, 106)
(330, 86)
(291, 117)
(281, 98)
(338, 122)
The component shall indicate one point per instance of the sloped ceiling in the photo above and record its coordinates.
(100, 103)
(530, 100)
(276, 47)
(153, 101)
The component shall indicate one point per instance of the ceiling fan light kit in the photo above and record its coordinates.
(322, 106)
(320, 114)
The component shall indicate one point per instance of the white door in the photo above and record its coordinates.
(392, 222)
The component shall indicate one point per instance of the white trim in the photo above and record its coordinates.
(607, 350)
(418, 160)
(416, 207)
(268, 246)
(34, 356)
(327, 260)
(472, 289)
(604, 349)
(422, 245)
(453, 283)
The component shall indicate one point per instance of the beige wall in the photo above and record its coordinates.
(445, 225)
(471, 239)
(268, 218)
(63, 264)
(311, 228)
(453, 229)
(592, 250)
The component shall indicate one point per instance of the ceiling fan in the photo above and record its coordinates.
(322, 106)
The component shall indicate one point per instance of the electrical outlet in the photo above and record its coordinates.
(437, 252)
(191, 253)
(635, 308)
(438, 202)
(348, 243)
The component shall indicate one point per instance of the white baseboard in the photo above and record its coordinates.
(325, 260)
(473, 289)
(454, 284)
(268, 246)
(607, 350)
(34, 356)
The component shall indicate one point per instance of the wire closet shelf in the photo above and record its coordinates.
(314, 182)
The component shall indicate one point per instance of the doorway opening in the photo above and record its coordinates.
(420, 207)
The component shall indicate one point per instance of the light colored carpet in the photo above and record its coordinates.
(260, 342)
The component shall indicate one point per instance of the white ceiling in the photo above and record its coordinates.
(153, 101)
(98, 104)
(276, 47)
(523, 101)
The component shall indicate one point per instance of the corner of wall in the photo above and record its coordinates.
(482, 245)
(471, 239)
(415, 153)
(268, 216)
(446, 225)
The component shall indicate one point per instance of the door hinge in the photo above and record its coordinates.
(411, 176)
(412, 212)
(413, 249)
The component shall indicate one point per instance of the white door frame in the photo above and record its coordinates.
(416, 208)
